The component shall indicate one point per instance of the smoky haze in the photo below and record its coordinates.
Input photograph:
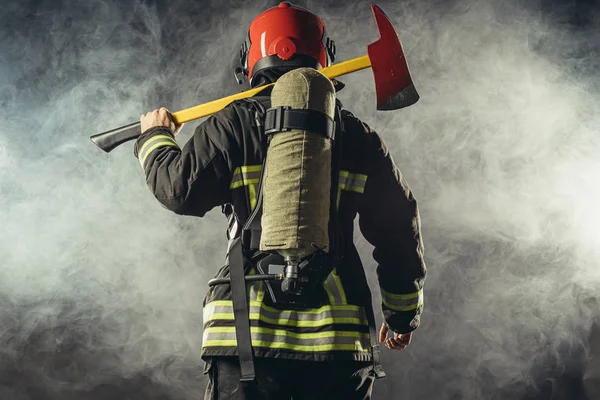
(101, 288)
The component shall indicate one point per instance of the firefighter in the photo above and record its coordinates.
(329, 350)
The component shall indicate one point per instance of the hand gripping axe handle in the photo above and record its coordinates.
(393, 84)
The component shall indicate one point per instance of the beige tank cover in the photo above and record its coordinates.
(297, 181)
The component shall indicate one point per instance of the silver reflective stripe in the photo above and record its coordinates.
(224, 336)
(315, 317)
(334, 289)
(155, 142)
(352, 182)
(402, 302)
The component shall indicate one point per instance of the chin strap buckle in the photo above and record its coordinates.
(239, 75)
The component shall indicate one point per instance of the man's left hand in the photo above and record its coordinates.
(160, 117)
(398, 341)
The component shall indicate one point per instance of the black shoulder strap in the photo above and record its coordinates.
(252, 229)
(238, 280)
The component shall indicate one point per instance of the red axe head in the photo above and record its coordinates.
(393, 83)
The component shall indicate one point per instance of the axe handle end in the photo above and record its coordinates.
(109, 140)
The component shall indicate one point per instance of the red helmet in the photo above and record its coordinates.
(285, 36)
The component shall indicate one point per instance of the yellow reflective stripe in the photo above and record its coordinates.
(252, 287)
(296, 347)
(239, 181)
(256, 290)
(252, 195)
(401, 308)
(326, 315)
(338, 284)
(152, 140)
(347, 174)
(236, 180)
(247, 175)
(151, 144)
(334, 289)
(236, 184)
(251, 168)
(329, 294)
(402, 302)
(261, 292)
(288, 322)
(320, 310)
(157, 145)
(352, 182)
(403, 296)
(281, 332)
(280, 338)
(351, 188)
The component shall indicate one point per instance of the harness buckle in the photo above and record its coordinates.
(275, 118)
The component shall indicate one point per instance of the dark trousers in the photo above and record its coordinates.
(279, 379)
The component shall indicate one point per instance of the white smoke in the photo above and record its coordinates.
(101, 286)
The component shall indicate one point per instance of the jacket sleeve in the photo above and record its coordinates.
(194, 179)
(389, 220)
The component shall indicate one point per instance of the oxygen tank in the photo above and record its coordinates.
(297, 177)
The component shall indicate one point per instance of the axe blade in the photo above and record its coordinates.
(393, 84)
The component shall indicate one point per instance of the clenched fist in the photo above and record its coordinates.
(160, 117)
(398, 341)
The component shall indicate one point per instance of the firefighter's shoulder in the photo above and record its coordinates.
(365, 138)
(225, 127)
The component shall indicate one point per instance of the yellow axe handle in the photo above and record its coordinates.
(109, 140)
(202, 110)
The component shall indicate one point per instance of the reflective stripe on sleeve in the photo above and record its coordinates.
(352, 182)
(222, 336)
(154, 143)
(402, 302)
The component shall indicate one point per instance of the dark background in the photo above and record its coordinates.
(101, 288)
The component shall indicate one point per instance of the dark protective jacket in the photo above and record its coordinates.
(220, 166)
